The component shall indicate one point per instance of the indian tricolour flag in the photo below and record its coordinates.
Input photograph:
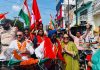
(51, 23)
(25, 14)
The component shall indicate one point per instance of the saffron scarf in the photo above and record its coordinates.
(21, 47)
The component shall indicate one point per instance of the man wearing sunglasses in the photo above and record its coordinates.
(22, 47)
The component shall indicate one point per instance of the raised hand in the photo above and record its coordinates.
(68, 26)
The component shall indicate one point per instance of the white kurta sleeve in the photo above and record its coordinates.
(39, 51)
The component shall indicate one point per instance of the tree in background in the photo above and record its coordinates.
(17, 23)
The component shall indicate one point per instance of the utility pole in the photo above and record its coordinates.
(76, 14)
(16, 18)
(68, 11)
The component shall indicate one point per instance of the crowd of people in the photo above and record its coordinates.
(31, 45)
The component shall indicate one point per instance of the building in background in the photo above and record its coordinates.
(69, 8)
(59, 15)
(96, 12)
(84, 12)
(66, 12)
(62, 8)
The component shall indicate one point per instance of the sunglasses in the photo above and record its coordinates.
(19, 35)
(66, 37)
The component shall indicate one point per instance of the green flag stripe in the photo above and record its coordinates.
(52, 22)
(25, 17)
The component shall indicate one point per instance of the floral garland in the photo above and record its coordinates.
(21, 46)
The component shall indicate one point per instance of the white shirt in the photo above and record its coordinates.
(78, 41)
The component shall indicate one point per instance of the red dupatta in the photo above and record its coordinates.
(39, 39)
(59, 53)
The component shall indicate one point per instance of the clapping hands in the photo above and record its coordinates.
(63, 50)
(24, 51)
(68, 26)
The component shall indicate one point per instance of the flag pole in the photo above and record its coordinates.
(16, 18)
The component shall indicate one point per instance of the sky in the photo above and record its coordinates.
(46, 8)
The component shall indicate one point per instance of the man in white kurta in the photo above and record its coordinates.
(22, 46)
(29, 48)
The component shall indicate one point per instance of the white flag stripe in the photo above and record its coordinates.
(32, 18)
(39, 51)
(25, 9)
